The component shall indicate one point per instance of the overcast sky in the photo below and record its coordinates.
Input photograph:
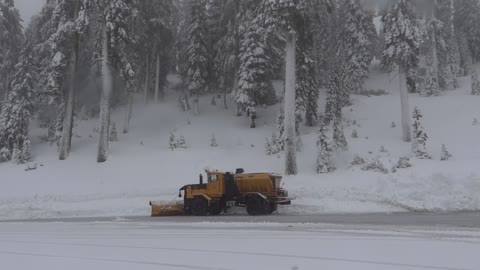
(28, 8)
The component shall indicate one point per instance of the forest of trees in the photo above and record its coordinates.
(89, 56)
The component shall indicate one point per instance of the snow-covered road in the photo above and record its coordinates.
(146, 245)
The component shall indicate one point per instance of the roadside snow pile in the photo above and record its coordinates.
(439, 192)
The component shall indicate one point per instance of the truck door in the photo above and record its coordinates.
(214, 185)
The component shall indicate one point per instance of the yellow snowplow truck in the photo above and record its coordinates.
(259, 193)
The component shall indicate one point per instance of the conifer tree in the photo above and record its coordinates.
(113, 133)
(213, 141)
(419, 145)
(445, 154)
(475, 84)
(325, 148)
(355, 42)
(194, 52)
(431, 79)
(115, 39)
(11, 36)
(19, 106)
(401, 48)
(172, 143)
(467, 23)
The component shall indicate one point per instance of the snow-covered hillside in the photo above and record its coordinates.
(141, 167)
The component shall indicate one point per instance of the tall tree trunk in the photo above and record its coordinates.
(66, 140)
(105, 102)
(406, 121)
(147, 80)
(290, 78)
(157, 80)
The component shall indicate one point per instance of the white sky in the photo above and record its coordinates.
(28, 8)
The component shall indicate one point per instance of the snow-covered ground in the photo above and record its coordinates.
(142, 168)
(228, 246)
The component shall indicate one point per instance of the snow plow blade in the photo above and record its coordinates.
(160, 209)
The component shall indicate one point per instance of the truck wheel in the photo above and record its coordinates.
(200, 206)
(256, 206)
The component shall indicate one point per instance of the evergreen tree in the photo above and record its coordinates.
(181, 143)
(194, 52)
(325, 148)
(337, 94)
(338, 133)
(172, 143)
(11, 36)
(431, 79)
(475, 84)
(419, 147)
(466, 58)
(213, 141)
(402, 37)
(254, 75)
(445, 154)
(114, 17)
(355, 42)
(19, 106)
(467, 23)
(113, 133)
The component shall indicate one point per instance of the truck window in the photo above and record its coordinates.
(212, 178)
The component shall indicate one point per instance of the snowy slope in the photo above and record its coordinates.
(142, 168)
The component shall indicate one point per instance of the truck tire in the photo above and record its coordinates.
(256, 205)
(200, 206)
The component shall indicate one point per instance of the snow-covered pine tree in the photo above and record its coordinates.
(325, 32)
(160, 36)
(431, 87)
(115, 37)
(338, 93)
(466, 58)
(172, 143)
(475, 84)
(291, 16)
(19, 106)
(419, 145)
(338, 132)
(445, 154)
(181, 143)
(11, 36)
(467, 22)
(443, 13)
(113, 133)
(354, 134)
(402, 38)
(194, 51)
(307, 86)
(325, 149)
(256, 66)
(213, 141)
(355, 43)
(71, 17)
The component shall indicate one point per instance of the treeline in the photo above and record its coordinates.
(83, 57)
